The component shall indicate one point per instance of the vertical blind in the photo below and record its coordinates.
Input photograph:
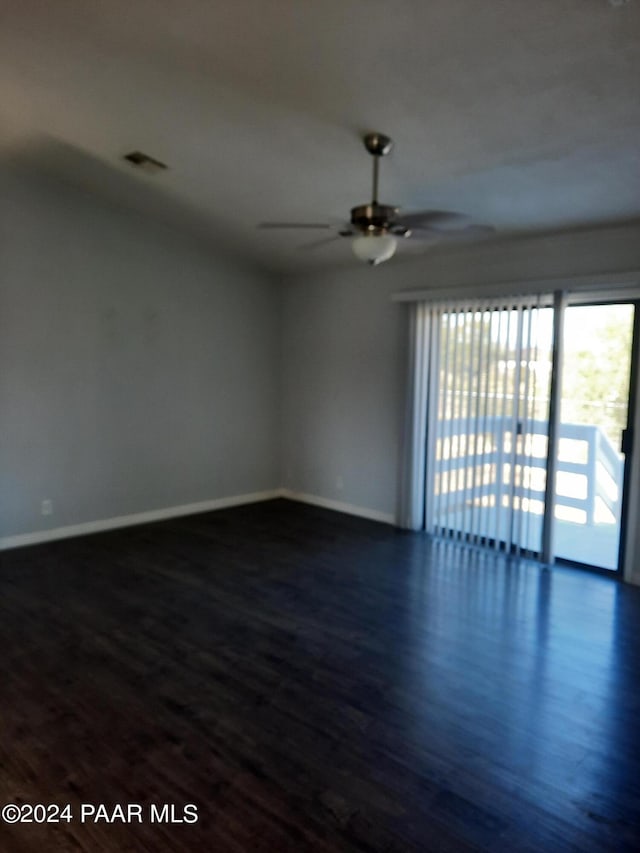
(487, 421)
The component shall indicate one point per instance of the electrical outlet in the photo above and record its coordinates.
(47, 507)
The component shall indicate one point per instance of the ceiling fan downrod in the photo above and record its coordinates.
(378, 145)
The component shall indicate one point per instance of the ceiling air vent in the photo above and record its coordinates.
(145, 163)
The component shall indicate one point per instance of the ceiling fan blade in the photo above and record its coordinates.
(463, 233)
(426, 235)
(294, 225)
(449, 235)
(432, 219)
(318, 244)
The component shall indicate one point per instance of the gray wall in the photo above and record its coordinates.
(138, 370)
(342, 388)
(343, 356)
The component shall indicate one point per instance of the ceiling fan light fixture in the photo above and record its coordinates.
(374, 249)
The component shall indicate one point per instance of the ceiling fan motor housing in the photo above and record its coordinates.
(377, 219)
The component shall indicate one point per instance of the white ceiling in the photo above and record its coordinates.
(524, 115)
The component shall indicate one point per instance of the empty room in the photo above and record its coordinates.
(319, 382)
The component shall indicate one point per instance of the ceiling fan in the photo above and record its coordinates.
(375, 228)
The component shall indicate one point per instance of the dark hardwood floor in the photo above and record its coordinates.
(317, 682)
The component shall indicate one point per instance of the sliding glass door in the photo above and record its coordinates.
(491, 396)
(594, 411)
(491, 379)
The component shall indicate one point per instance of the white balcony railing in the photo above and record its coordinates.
(503, 466)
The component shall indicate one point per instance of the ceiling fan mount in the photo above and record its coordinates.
(377, 144)
(375, 227)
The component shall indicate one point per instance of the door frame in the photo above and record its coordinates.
(562, 301)
(632, 411)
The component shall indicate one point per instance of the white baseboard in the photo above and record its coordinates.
(101, 525)
(131, 520)
(339, 506)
